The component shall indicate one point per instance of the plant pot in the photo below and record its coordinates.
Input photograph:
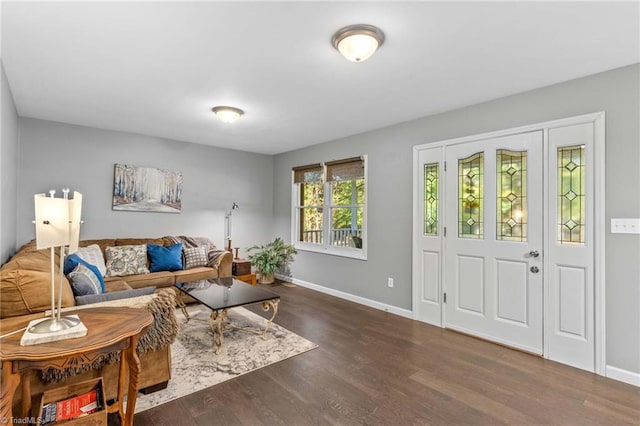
(267, 279)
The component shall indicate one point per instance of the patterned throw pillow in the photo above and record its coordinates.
(126, 260)
(84, 281)
(195, 257)
(93, 255)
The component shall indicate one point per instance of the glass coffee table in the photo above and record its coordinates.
(221, 294)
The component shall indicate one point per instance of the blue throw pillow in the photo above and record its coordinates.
(165, 258)
(71, 261)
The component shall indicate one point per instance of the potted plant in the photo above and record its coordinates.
(271, 257)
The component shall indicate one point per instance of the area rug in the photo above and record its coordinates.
(195, 366)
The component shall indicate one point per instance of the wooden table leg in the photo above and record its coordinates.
(119, 405)
(134, 377)
(10, 382)
(26, 394)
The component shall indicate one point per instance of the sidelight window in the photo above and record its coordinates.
(431, 182)
(571, 194)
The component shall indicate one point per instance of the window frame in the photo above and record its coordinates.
(325, 247)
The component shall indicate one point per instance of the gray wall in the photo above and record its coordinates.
(390, 194)
(8, 169)
(55, 155)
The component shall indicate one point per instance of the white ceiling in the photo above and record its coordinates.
(157, 68)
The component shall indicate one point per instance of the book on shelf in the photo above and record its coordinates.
(74, 407)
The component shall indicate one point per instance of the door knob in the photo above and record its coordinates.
(534, 269)
(534, 253)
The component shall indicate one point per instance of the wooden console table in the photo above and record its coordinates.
(109, 330)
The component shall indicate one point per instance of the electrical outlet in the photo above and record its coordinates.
(390, 282)
(625, 226)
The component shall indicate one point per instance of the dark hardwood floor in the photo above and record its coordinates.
(381, 369)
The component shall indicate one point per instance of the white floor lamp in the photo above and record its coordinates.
(227, 218)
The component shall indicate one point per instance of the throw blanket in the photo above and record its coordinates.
(161, 333)
(214, 255)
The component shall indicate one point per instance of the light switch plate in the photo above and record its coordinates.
(625, 226)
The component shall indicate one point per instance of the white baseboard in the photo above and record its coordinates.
(347, 296)
(623, 375)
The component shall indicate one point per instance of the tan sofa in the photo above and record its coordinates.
(25, 291)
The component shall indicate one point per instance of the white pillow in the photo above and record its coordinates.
(93, 256)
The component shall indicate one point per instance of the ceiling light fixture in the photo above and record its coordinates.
(227, 114)
(357, 42)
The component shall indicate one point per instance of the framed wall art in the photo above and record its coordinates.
(147, 189)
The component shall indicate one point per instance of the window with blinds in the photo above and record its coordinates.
(330, 206)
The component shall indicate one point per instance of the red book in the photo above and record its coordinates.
(77, 406)
(72, 408)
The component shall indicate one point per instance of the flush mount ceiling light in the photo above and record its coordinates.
(227, 114)
(357, 42)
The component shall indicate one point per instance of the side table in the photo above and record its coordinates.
(241, 270)
(109, 330)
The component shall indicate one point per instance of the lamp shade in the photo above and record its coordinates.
(57, 221)
(75, 211)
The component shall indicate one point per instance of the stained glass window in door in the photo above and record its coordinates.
(511, 194)
(431, 180)
(571, 194)
(470, 196)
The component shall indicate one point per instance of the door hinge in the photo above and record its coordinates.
(445, 298)
(445, 166)
(445, 231)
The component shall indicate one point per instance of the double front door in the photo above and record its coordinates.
(504, 243)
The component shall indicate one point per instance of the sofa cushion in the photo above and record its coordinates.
(195, 274)
(195, 257)
(158, 279)
(102, 243)
(115, 284)
(138, 241)
(165, 258)
(71, 261)
(84, 281)
(115, 295)
(36, 260)
(25, 292)
(126, 260)
(93, 255)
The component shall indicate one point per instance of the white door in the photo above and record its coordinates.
(427, 264)
(494, 242)
(570, 261)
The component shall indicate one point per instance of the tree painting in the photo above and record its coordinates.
(147, 189)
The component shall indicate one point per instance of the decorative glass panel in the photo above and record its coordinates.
(471, 196)
(511, 194)
(431, 179)
(571, 194)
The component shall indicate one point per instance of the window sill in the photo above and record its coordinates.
(351, 253)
